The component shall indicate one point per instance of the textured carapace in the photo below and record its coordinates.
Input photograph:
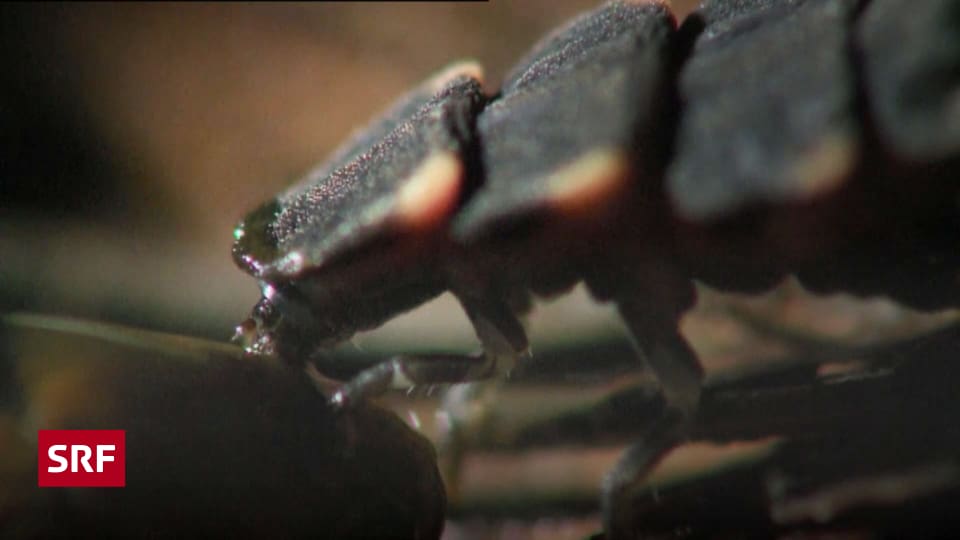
(781, 138)
(758, 139)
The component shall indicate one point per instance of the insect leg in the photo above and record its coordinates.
(621, 484)
(407, 371)
(468, 408)
(503, 342)
(652, 319)
(502, 335)
(665, 352)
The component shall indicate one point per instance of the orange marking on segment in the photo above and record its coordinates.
(826, 166)
(430, 195)
(463, 68)
(590, 182)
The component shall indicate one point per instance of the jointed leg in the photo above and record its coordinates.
(620, 485)
(467, 408)
(402, 372)
(652, 320)
(503, 337)
(503, 343)
(666, 353)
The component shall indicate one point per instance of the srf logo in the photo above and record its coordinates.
(82, 458)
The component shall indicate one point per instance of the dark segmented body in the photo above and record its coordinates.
(772, 188)
(907, 58)
(537, 126)
(761, 138)
(359, 184)
(286, 238)
(772, 169)
(913, 89)
(855, 220)
(751, 160)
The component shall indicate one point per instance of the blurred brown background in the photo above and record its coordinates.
(134, 137)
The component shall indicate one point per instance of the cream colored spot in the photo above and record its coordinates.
(463, 68)
(589, 182)
(430, 194)
(826, 166)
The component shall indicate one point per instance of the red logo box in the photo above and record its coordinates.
(82, 458)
